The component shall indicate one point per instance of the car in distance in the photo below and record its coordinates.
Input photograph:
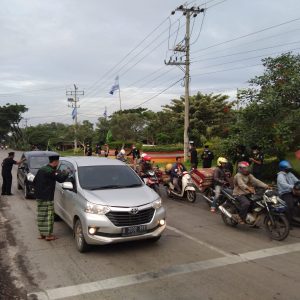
(104, 201)
(28, 169)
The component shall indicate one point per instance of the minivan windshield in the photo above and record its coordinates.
(107, 177)
(36, 162)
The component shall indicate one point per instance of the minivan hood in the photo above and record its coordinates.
(129, 197)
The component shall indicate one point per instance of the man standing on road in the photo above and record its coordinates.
(194, 156)
(7, 165)
(44, 185)
(207, 157)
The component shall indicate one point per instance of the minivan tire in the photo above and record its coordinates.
(81, 244)
(26, 192)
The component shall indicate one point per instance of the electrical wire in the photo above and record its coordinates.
(244, 52)
(201, 26)
(156, 95)
(246, 35)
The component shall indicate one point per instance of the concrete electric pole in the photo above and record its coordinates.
(73, 102)
(188, 12)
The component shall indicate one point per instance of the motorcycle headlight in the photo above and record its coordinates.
(157, 203)
(274, 199)
(97, 209)
(30, 177)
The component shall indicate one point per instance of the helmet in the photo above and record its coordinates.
(147, 158)
(143, 155)
(243, 167)
(122, 151)
(168, 167)
(284, 165)
(221, 160)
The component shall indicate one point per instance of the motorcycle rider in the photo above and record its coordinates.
(122, 155)
(285, 184)
(177, 169)
(145, 164)
(244, 184)
(220, 179)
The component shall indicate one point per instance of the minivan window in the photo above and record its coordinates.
(36, 162)
(107, 177)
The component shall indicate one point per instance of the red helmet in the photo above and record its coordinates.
(147, 158)
(243, 167)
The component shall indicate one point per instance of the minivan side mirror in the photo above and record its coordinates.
(67, 186)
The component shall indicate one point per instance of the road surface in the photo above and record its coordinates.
(198, 257)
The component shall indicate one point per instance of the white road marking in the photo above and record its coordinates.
(127, 280)
(207, 245)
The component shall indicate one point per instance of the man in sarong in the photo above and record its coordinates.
(44, 186)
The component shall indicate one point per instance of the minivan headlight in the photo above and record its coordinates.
(30, 177)
(96, 209)
(157, 203)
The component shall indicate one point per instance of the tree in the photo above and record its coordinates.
(85, 132)
(272, 112)
(10, 117)
(210, 115)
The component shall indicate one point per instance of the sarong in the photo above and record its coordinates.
(45, 217)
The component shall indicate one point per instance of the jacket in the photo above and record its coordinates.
(285, 182)
(241, 182)
(219, 176)
(44, 182)
(174, 170)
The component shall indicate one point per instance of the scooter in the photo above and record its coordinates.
(188, 190)
(151, 180)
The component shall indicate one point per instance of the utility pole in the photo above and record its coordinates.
(188, 12)
(73, 102)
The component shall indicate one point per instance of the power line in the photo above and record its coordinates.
(249, 51)
(158, 94)
(246, 35)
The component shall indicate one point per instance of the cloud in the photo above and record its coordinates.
(47, 46)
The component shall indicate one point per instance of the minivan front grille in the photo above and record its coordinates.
(124, 218)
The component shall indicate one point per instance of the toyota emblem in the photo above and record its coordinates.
(134, 211)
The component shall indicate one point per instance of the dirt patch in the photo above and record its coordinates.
(12, 266)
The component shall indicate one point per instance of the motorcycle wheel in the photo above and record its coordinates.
(156, 189)
(209, 194)
(279, 230)
(228, 221)
(169, 194)
(191, 196)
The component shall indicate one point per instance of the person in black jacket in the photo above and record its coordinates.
(194, 156)
(7, 165)
(44, 187)
(207, 157)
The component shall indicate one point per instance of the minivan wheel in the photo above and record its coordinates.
(81, 244)
(26, 191)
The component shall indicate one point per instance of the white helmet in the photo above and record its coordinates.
(122, 151)
(143, 155)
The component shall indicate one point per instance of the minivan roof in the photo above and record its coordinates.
(86, 161)
(39, 153)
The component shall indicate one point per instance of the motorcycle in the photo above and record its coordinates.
(151, 180)
(187, 191)
(209, 194)
(266, 208)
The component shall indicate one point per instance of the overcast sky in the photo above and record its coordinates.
(47, 46)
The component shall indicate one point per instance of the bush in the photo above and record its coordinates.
(163, 148)
(127, 145)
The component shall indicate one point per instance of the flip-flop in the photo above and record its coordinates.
(51, 238)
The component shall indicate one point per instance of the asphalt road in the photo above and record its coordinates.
(198, 257)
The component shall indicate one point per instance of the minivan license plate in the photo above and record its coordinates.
(134, 230)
